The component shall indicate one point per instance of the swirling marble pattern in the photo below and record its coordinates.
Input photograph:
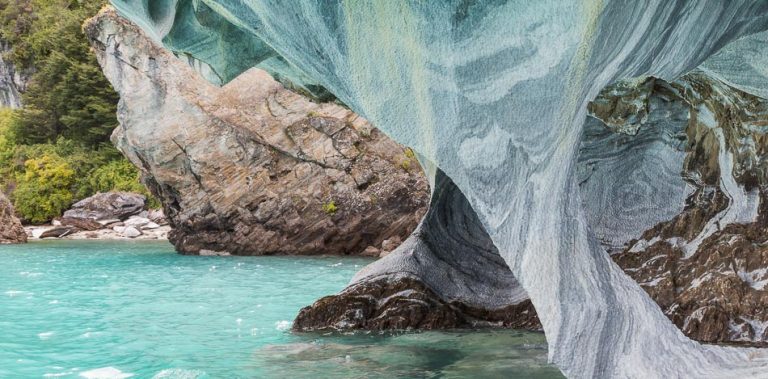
(447, 274)
(451, 252)
(629, 183)
(494, 93)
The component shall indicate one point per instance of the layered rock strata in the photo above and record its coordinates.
(11, 230)
(253, 168)
(495, 94)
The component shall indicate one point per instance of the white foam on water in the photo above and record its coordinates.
(283, 325)
(178, 373)
(105, 373)
(44, 335)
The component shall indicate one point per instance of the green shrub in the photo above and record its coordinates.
(56, 149)
(44, 190)
(120, 175)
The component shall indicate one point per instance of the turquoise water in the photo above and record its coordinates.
(136, 309)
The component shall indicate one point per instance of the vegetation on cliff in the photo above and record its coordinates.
(55, 150)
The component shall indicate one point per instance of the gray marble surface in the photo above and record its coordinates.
(494, 93)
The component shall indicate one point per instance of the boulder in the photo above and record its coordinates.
(109, 205)
(136, 221)
(11, 230)
(371, 251)
(80, 223)
(130, 232)
(59, 232)
(150, 225)
(157, 216)
(291, 175)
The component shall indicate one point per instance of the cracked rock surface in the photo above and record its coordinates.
(11, 230)
(252, 168)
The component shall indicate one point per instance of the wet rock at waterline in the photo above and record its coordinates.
(446, 275)
(253, 168)
(11, 230)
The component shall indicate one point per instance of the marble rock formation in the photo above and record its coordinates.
(253, 168)
(11, 230)
(494, 94)
(692, 158)
(711, 282)
(446, 275)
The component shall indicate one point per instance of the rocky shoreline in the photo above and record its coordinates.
(106, 216)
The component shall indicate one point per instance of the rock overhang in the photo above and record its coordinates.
(495, 94)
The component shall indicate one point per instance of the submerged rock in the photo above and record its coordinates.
(253, 168)
(11, 230)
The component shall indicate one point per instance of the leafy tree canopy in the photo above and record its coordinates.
(55, 150)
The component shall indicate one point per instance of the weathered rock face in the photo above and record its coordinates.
(107, 206)
(11, 230)
(711, 281)
(253, 168)
(706, 266)
(495, 95)
(446, 275)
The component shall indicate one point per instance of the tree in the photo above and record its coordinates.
(67, 95)
(44, 190)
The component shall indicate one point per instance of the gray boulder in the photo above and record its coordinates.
(109, 205)
(59, 232)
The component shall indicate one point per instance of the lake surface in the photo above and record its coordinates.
(137, 309)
